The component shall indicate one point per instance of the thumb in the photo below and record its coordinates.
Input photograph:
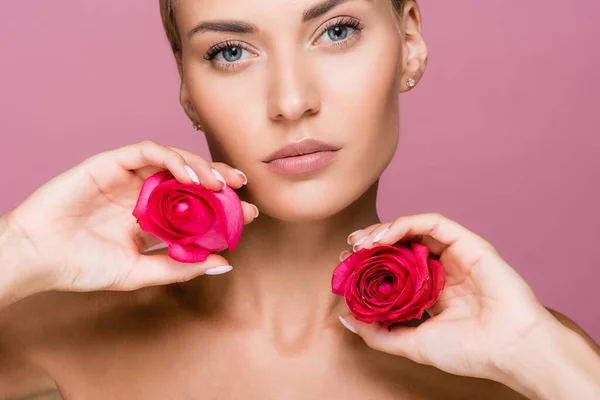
(399, 340)
(162, 270)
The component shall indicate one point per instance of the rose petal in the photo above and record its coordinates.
(419, 271)
(213, 239)
(361, 302)
(438, 275)
(438, 281)
(168, 198)
(187, 254)
(232, 216)
(343, 271)
(405, 295)
(154, 218)
(147, 188)
(198, 218)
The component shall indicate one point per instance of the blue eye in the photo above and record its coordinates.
(232, 54)
(227, 52)
(340, 30)
(338, 33)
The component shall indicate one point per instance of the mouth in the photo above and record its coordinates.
(305, 147)
(306, 156)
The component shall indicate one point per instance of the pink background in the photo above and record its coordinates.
(501, 134)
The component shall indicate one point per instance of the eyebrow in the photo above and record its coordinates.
(237, 26)
(224, 26)
(319, 9)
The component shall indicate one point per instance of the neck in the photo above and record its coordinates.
(281, 279)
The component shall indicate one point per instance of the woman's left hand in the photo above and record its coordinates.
(484, 314)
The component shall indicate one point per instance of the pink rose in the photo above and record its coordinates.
(192, 220)
(389, 284)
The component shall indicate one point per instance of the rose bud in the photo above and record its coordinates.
(389, 284)
(193, 221)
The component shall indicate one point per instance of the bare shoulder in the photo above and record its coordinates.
(31, 328)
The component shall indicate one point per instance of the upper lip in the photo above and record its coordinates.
(307, 146)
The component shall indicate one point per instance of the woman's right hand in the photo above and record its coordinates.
(77, 232)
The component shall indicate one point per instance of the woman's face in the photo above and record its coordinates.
(261, 74)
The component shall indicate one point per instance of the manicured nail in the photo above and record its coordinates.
(353, 234)
(219, 177)
(257, 212)
(360, 241)
(237, 171)
(344, 255)
(347, 325)
(219, 270)
(192, 174)
(380, 235)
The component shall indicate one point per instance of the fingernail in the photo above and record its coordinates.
(352, 234)
(219, 270)
(257, 212)
(360, 241)
(347, 325)
(219, 177)
(380, 235)
(192, 174)
(243, 176)
(344, 255)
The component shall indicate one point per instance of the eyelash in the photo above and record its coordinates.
(342, 22)
(219, 47)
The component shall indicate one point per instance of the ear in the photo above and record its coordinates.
(414, 48)
(184, 96)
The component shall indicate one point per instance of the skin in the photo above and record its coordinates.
(129, 325)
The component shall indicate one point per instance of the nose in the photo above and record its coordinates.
(293, 90)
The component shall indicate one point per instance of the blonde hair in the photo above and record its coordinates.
(167, 13)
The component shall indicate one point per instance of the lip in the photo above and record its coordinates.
(303, 163)
(302, 148)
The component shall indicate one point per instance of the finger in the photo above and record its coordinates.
(209, 177)
(250, 212)
(149, 153)
(153, 270)
(371, 239)
(445, 232)
(344, 255)
(400, 341)
(361, 233)
(234, 177)
(376, 236)
(147, 172)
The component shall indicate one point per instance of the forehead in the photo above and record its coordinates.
(268, 11)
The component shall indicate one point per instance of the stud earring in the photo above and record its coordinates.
(411, 82)
(197, 127)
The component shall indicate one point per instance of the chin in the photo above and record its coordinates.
(309, 200)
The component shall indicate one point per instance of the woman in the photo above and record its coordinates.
(88, 313)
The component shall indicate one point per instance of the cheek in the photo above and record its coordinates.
(364, 82)
(232, 110)
(363, 99)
